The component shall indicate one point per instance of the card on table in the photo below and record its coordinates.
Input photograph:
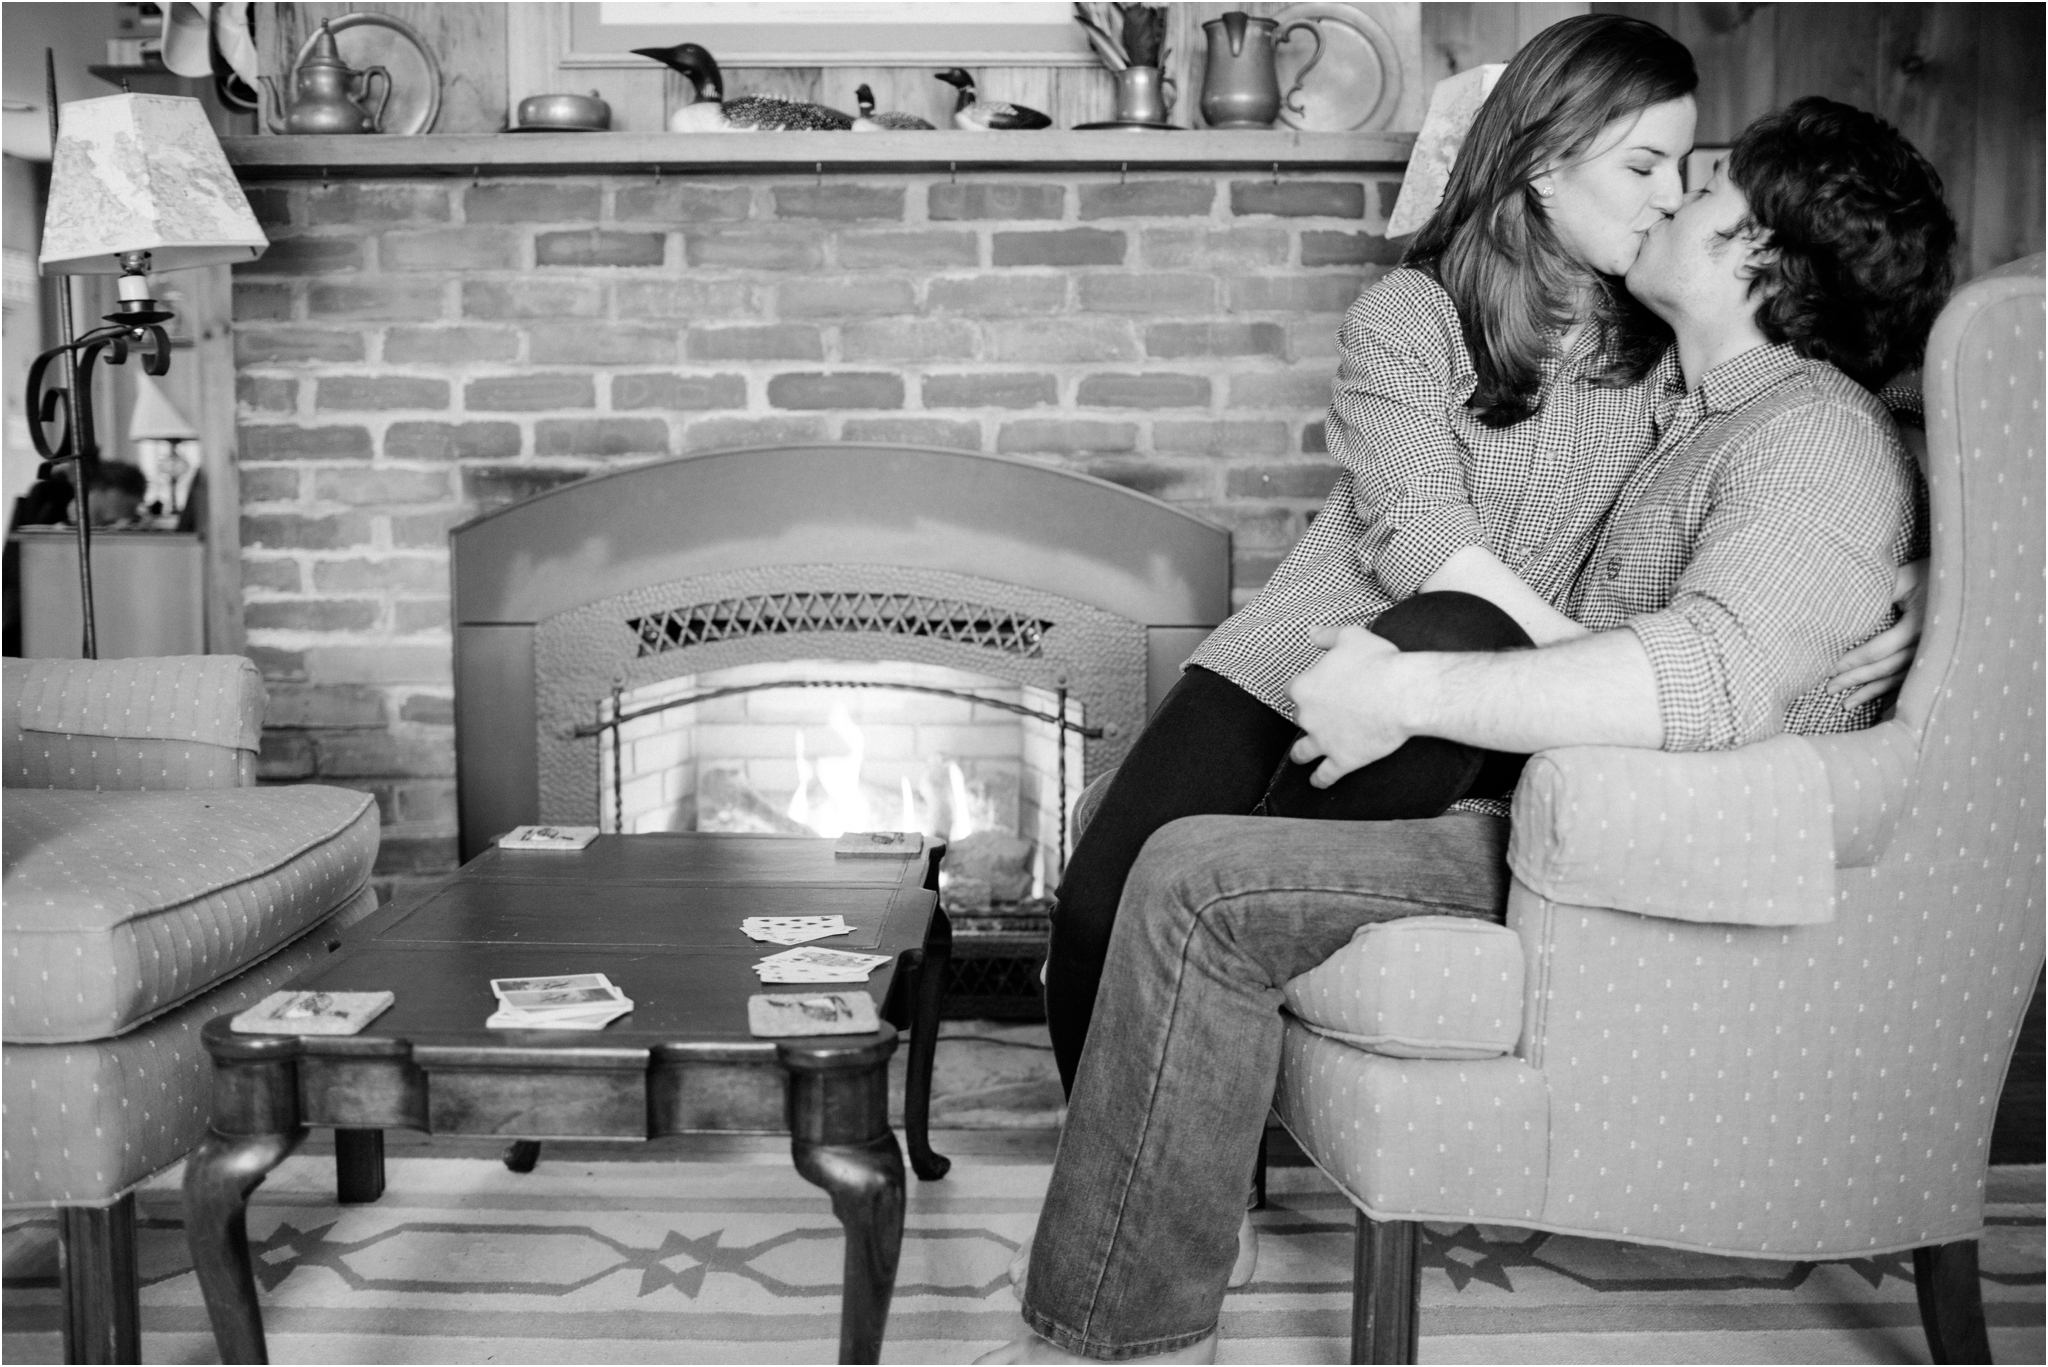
(561, 1001)
(794, 930)
(509, 1020)
(812, 1013)
(810, 963)
(557, 983)
(561, 998)
(878, 845)
(312, 1013)
(547, 837)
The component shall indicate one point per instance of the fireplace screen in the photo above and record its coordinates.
(817, 747)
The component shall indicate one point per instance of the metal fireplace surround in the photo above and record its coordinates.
(843, 551)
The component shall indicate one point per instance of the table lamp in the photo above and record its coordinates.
(160, 432)
(138, 183)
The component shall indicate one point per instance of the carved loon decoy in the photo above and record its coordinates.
(980, 118)
(711, 112)
(888, 121)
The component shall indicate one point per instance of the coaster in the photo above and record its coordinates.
(313, 1013)
(878, 845)
(812, 1013)
(547, 837)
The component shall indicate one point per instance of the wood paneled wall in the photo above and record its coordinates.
(1963, 81)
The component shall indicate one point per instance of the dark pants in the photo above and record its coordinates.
(1213, 749)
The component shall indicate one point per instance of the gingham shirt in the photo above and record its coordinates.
(1748, 568)
(1423, 479)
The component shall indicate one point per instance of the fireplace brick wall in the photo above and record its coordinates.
(413, 352)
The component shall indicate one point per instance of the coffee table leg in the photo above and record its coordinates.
(840, 1140)
(924, 1048)
(358, 1166)
(219, 1176)
(255, 1126)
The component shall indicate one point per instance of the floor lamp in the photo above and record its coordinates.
(138, 183)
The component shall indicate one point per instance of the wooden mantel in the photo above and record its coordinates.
(373, 156)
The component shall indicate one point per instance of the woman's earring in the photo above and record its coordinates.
(1545, 190)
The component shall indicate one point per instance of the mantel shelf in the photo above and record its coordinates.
(372, 156)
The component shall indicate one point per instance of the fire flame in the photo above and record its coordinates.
(830, 800)
(843, 807)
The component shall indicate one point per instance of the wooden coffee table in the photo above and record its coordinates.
(660, 914)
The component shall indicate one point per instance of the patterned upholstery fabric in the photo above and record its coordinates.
(45, 759)
(119, 905)
(84, 1122)
(1419, 1138)
(213, 699)
(1426, 987)
(1737, 836)
(1793, 1091)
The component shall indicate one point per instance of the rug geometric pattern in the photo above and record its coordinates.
(739, 1261)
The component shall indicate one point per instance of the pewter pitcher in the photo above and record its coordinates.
(1239, 87)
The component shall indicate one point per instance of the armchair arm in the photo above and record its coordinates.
(1736, 836)
(189, 721)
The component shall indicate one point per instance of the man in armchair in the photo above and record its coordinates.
(1755, 545)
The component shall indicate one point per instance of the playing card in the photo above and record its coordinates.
(555, 999)
(519, 1020)
(814, 964)
(560, 982)
(794, 930)
(812, 1013)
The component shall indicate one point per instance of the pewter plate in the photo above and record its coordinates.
(1356, 85)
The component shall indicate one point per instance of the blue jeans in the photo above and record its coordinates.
(1139, 1229)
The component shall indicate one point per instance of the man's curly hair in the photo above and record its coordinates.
(1861, 242)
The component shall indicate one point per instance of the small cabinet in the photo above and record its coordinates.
(148, 593)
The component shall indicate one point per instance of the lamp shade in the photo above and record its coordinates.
(155, 417)
(143, 173)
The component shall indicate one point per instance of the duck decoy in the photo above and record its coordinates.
(887, 121)
(976, 117)
(711, 112)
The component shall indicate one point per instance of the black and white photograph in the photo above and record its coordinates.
(796, 681)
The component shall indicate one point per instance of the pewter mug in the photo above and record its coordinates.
(1239, 87)
(1139, 96)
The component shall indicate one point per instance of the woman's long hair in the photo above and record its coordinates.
(1490, 244)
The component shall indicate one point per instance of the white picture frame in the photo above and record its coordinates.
(818, 33)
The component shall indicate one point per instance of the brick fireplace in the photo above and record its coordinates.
(415, 350)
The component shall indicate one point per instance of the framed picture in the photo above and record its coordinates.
(851, 33)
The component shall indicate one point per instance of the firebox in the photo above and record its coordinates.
(799, 638)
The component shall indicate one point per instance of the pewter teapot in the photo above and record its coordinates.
(327, 94)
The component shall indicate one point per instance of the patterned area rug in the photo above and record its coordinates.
(737, 1260)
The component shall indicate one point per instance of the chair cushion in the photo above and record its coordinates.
(1421, 987)
(86, 1122)
(121, 905)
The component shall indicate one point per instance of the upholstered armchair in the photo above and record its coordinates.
(149, 886)
(1759, 1002)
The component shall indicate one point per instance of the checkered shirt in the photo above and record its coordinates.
(1747, 560)
(1422, 479)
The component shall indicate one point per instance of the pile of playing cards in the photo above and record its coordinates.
(794, 930)
(569, 1001)
(810, 964)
